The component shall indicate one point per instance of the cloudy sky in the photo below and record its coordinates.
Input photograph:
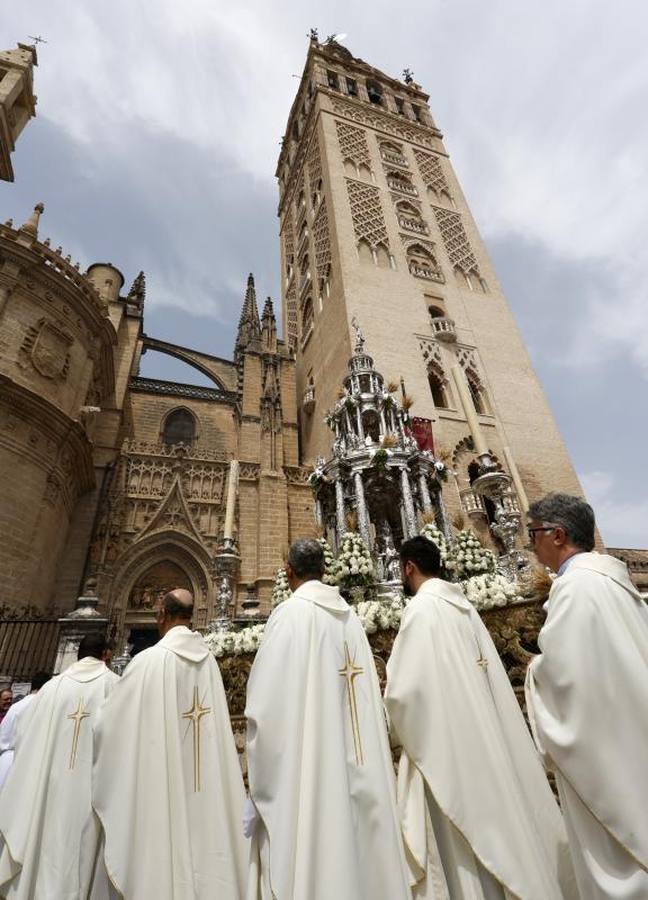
(158, 130)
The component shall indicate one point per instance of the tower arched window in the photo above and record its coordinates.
(438, 388)
(374, 92)
(422, 263)
(398, 181)
(179, 428)
(307, 319)
(477, 393)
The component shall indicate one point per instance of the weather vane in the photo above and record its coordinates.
(37, 40)
(408, 76)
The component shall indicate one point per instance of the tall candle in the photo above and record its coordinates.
(469, 410)
(517, 481)
(232, 485)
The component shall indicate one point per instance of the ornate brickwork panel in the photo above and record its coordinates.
(353, 143)
(289, 242)
(431, 171)
(159, 486)
(467, 358)
(366, 212)
(381, 122)
(431, 351)
(314, 163)
(291, 314)
(322, 243)
(456, 240)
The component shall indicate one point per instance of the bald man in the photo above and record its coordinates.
(167, 783)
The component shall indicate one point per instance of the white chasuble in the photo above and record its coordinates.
(587, 696)
(167, 783)
(479, 819)
(48, 831)
(319, 764)
(9, 732)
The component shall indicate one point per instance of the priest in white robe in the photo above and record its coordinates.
(320, 770)
(13, 720)
(587, 696)
(167, 783)
(478, 816)
(48, 835)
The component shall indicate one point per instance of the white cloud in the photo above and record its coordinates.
(621, 520)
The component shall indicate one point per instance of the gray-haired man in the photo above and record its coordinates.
(319, 765)
(587, 696)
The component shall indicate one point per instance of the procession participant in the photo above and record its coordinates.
(478, 816)
(322, 812)
(167, 784)
(48, 834)
(587, 696)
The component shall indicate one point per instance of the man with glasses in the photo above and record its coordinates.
(587, 697)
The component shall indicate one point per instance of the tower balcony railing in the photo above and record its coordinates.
(308, 400)
(417, 225)
(420, 271)
(396, 159)
(472, 504)
(396, 184)
(444, 329)
(304, 283)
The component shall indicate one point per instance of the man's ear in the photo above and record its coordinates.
(560, 536)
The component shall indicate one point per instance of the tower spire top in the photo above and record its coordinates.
(249, 327)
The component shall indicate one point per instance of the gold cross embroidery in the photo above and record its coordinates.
(195, 714)
(350, 672)
(77, 716)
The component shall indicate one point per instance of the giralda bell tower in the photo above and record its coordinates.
(374, 226)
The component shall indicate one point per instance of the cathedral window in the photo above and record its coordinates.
(400, 106)
(332, 80)
(397, 181)
(438, 388)
(409, 217)
(307, 320)
(477, 393)
(436, 312)
(383, 259)
(417, 112)
(352, 87)
(179, 428)
(374, 92)
(364, 252)
(422, 263)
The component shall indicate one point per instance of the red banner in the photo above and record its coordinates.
(422, 433)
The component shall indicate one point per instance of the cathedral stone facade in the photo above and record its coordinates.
(119, 482)
(123, 486)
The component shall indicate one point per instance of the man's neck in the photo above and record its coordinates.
(569, 555)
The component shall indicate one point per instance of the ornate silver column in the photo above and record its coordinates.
(443, 515)
(408, 504)
(339, 508)
(363, 517)
(425, 494)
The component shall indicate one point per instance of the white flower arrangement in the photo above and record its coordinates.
(355, 566)
(490, 590)
(281, 589)
(235, 643)
(375, 615)
(434, 534)
(469, 557)
(330, 565)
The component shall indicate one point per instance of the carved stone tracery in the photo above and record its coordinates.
(367, 213)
